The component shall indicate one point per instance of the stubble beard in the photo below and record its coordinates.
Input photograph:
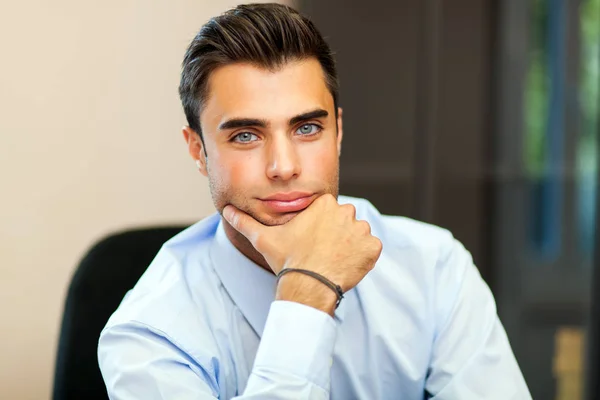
(222, 196)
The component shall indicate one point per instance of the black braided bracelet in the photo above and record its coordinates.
(336, 288)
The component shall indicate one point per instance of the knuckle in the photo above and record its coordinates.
(377, 246)
(259, 242)
(235, 221)
(349, 209)
(364, 226)
(323, 200)
(328, 197)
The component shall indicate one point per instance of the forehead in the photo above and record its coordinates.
(245, 90)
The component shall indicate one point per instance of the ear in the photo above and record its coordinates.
(195, 148)
(340, 132)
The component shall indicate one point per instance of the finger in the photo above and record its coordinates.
(364, 226)
(377, 247)
(243, 223)
(349, 209)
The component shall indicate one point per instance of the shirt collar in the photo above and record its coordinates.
(250, 286)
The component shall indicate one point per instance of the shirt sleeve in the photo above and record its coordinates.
(293, 360)
(294, 357)
(472, 358)
(139, 362)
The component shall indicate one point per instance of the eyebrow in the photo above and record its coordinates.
(243, 123)
(261, 123)
(318, 113)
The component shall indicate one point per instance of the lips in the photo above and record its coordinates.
(288, 202)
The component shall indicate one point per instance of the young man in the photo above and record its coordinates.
(289, 291)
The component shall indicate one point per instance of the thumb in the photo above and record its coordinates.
(243, 223)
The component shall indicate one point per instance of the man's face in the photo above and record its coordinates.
(270, 139)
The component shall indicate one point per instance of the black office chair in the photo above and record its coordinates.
(106, 273)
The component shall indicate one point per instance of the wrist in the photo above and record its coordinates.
(306, 290)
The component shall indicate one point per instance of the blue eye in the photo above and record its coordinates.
(308, 129)
(245, 137)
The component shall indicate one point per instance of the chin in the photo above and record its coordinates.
(275, 220)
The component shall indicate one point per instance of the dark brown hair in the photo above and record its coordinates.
(267, 35)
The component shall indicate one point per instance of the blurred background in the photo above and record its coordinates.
(480, 116)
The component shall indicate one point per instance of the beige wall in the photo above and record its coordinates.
(89, 143)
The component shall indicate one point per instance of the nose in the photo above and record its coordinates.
(283, 161)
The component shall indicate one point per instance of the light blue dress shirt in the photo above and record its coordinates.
(202, 323)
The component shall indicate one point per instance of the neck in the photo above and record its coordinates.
(244, 246)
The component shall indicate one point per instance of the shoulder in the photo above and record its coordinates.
(166, 302)
(426, 255)
(424, 259)
(403, 233)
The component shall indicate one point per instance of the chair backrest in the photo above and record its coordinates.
(111, 268)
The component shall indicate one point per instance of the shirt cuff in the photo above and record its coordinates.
(298, 339)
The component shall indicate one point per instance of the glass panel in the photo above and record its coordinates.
(587, 141)
(559, 157)
(545, 126)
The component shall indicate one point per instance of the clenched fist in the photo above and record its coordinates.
(325, 238)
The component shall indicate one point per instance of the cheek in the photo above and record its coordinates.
(238, 170)
(320, 161)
